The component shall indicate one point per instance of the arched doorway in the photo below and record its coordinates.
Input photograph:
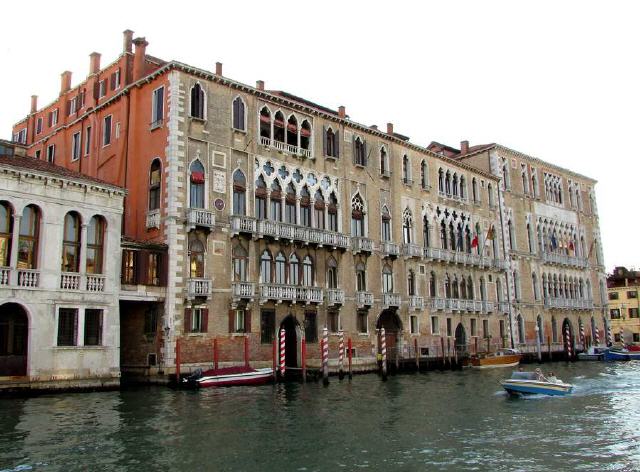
(390, 321)
(14, 333)
(290, 326)
(566, 325)
(461, 339)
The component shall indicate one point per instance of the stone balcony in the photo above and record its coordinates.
(284, 147)
(361, 244)
(242, 291)
(416, 302)
(457, 305)
(412, 250)
(20, 278)
(364, 299)
(289, 293)
(503, 307)
(335, 296)
(199, 217)
(389, 249)
(564, 260)
(568, 303)
(391, 300)
(462, 258)
(153, 219)
(279, 230)
(199, 287)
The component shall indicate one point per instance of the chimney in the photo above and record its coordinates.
(139, 58)
(34, 103)
(374, 127)
(218, 68)
(65, 82)
(94, 63)
(127, 39)
(342, 112)
(464, 147)
(260, 84)
(389, 128)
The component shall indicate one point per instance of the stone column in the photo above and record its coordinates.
(83, 256)
(13, 257)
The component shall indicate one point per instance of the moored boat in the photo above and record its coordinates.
(594, 353)
(500, 358)
(531, 383)
(228, 376)
(621, 354)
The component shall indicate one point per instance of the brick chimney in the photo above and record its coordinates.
(218, 68)
(464, 147)
(127, 39)
(139, 58)
(94, 63)
(34, 103)
(65, 82)
(342, 112)
(389, 128)
(260, 84)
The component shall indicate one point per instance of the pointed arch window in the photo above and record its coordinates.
(520, 322)
(443, 235)
(455, 291)
(330, 142)
(386, 224)
(265, 267)
(407, 226)
(275, 212)
(359, 152)
(469, 288)
(357, 216)
(384, 168)
(492, 203)
(28, 240)
(447, 184)
(278, 127)
(318, 209)
(292, 131)
(197, 102)
(281, 269)
(332, 211)
(361, 277)
(240, 261)
(411, 283)
(71, 243)
(432, 285)
(305, 207)
(447, 286)
(406, 171)
(305, 135)
(261, 198)
(332, 273)
(290, 215)
(197, 185)
(239, 193)
(424, 175)
(294, 270)
(155, 178)
(239, 121)
(95, 245)
(474, 190)
(440, 180)
(196, 258)
(6, 230)
(307, 271)
(536, 289)
(426, 232)
(387, 279)
(265, 123)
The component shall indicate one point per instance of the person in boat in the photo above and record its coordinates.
(552, 378)
(540, 376)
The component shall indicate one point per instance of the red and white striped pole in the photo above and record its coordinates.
(609, 335)
(341, 355)
(282, 352)
(325, 356)
(383, 351)
(582, 334)
(596, 335)
(567, 340)
(622, 335)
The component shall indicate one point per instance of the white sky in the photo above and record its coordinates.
(556, 80)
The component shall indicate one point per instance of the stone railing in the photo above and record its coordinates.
(153, 219)
(199, 287)
(391, 299)
(364, 299)
(95, 283)
(416, 302)
(200, 217)
(563, 259)
(389, 249)
(28, 278)
(437, 303)
(361, 244)
(284, 147)
(70, 281)
(488, 307)
(5, 273)
(242, 224)
(242, 290)
(568, 303)
(291, 293)
(335, 296)
(503, 307)
(411, 250)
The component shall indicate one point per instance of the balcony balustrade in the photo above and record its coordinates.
(289, 293)
(70, 281)
(564, 260)
(568, 303)
(361, 244)
(437, 303)
(391, 300)
(199, 217)
(284, 147)
(416, 302)
(153, 219)
(335, 296)
(503, 307)
(389, 249)
(411, 250)
(364, 299)
(5, 273)
(95, 283)
(199, 287)
(488, 307)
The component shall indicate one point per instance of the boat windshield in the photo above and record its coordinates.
(524, 376)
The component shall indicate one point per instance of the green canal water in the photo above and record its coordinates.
(433, 421)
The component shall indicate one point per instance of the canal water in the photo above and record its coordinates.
(434, 421)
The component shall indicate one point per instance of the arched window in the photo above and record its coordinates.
(332, 210)
(492, 202)
(239, 121)
(483, 290)
(383, 161)
(443, 235)
(455, 290)
(357, 216)
(452, 237)
(332, 273)
(447, 286)
(406, 171)
(470, 288)
(516, 285)
(294, 270)
(275, 212)
(155, 178)
(71, 243)
(29, 238)
(281, 269)
(432, 285)
(240, 260)
(197, 187)
(521, 332)
(305, 135)
(407, 225)
(292, 131)
(447, 183)
(463, 289)
(440, 181)
(424, 175)
(278, 127)
(261, 198)
(474, 189)
(530, 237)
(512, 241)
(307, 271)
(319, 208)
(426, 232)
(387, 279)
(499, 294)
(536, 290)
(239, 193)
(305, 207)
(265, 267)
(265, 123)
(411, 283)
(196, 258)
(359, 152)
(455, 184)
(506, 175)
(361, 277)
(386, 224)
(6, 229)
(291, 215)
(540, 325)
(463, 187)
(554, 329)
(467, 239)
(330, 144)
(95, 245)
(197, 102)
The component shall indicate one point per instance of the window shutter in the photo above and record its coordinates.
(162, 268)
(247, 321)
(112, 81)
(324, 140)
(353, 150)
(205, 320)
(187, 320)
(232, 324)
(68, 107)
(336, 143)
(142, 259)
(96, 90)
(364, 153)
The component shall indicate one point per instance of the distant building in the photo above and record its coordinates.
(59, 275)
(623, 285)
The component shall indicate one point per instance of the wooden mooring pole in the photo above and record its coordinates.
(178, 361)
(325, 356)
(383, 350)
(442, 348)
(216, 358)
(273, 356)
(350, 354)
(341, 356)
(246, 350)
(415, 346)
(304, 360)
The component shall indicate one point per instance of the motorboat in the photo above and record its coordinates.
(500, 358)
(621, 354)
(228, 376)
(531, 383)
(594, 353)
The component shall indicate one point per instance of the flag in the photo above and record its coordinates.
(491, 233)
(474, 242)
(554, 242)
(571, 246)
(197, 177)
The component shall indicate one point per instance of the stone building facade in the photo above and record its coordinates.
(59, 277)
(622, 288)
(269, 211)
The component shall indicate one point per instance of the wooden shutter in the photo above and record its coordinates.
(187, 320)
(232, 324)
(96, 90)
(163, 268)
(141, 263)
(364, 152)
(247, 321)
(205, 320)
(68, 111)
(353, 150)
(324, 140)
(336, 143)
(112, 81)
